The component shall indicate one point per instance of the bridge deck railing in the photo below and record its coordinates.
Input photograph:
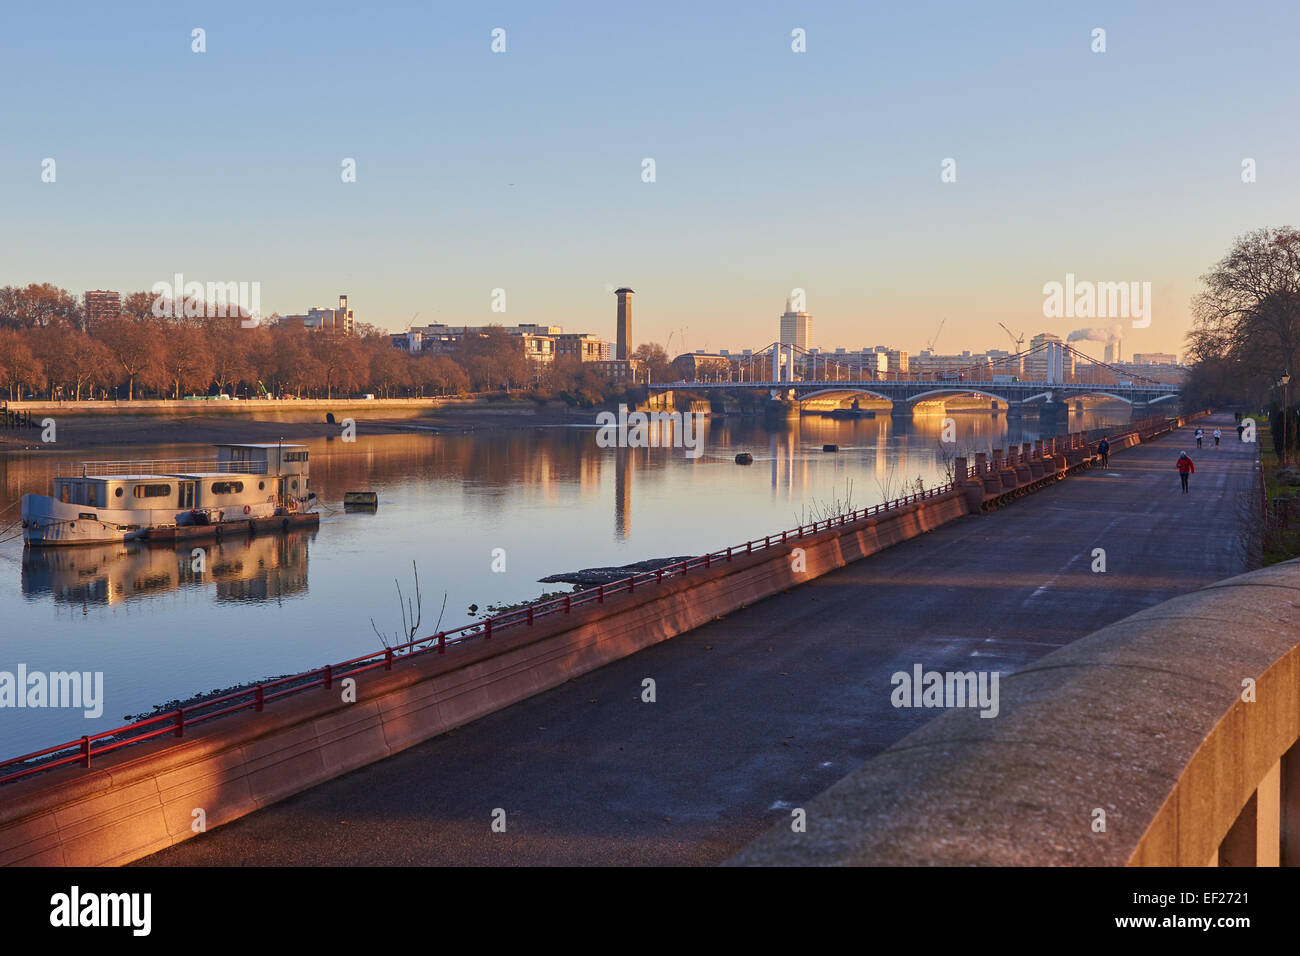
(256, 697)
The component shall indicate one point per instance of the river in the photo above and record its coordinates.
(549, 498)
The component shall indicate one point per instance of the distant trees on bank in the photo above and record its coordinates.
(45, 352)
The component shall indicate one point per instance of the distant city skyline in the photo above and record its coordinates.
(478, 171)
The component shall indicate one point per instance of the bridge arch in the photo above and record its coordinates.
(839, 393)
(954, 391)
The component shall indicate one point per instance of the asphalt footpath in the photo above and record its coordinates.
(757, 712)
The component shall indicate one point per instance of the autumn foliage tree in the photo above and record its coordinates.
(47, 349)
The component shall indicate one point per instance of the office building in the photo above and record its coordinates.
(583, 346)
(326, 320)
(796, 327)
(1154, 358)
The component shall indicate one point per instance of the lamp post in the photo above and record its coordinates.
(1286, 393)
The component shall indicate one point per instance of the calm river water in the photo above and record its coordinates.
(549, 497)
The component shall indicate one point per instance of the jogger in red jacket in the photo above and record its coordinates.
(1185, 468)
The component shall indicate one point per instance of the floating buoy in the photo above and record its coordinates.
(360, 499)
(830, 447)
(744, 458)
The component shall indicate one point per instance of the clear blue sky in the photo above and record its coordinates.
(774, 169)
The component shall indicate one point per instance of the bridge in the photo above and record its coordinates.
(795, 375)
(905, 394)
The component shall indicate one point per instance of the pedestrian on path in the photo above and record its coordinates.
(1185, 468)
(1240, 428)
(1199, 435)
(1217, 435)
(1103, 449)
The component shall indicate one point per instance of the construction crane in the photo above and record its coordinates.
(1018, 339)
(930, 346)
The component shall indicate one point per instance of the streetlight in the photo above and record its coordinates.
(1286, 392)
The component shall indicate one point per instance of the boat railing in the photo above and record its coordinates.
(161, 466)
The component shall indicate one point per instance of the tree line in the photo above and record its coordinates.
(46, 352)
(1245, 338)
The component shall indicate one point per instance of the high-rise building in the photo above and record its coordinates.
(1055, 363)
(623, 340)
(101, 304)
(796, 327)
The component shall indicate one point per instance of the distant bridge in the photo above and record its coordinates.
(905, 394)
(777, 367)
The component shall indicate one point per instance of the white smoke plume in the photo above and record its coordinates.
(1106, 335)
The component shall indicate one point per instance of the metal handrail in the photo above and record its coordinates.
(256, 696)
(160, 466)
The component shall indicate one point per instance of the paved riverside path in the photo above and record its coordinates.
(759, 711)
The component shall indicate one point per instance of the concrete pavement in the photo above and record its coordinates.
(757, 712)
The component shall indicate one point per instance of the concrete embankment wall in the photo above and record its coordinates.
(143, 798)
(1169, 738)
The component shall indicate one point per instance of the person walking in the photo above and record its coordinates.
(1103, 449)
(1185, 468)
(1199, 436)
(1240, 428)
(1217, 435)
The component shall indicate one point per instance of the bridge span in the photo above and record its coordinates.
(905, 394)
(759, 711)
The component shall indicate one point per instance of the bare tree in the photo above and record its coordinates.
(411, 610)
(1249, 313)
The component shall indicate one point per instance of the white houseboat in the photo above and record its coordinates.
(245, 488)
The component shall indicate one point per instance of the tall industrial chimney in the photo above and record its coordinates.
(623, 343)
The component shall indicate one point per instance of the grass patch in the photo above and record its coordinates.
(1279, 543)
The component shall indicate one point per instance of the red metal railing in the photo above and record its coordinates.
(254, 698)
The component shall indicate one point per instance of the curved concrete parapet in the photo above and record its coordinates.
(1146, 720)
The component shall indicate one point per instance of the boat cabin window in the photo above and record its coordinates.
(63, 493)
(150, 491)
(295, 456)
(90, 495)
(117, 492)
(227, 487)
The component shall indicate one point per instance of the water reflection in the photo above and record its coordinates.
(260, 568)
(550, 498)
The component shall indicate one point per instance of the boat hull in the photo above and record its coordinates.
(50, 523)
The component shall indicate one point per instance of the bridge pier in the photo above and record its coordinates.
(1053, 416)
(781, 409)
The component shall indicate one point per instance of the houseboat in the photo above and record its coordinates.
(245, 488)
